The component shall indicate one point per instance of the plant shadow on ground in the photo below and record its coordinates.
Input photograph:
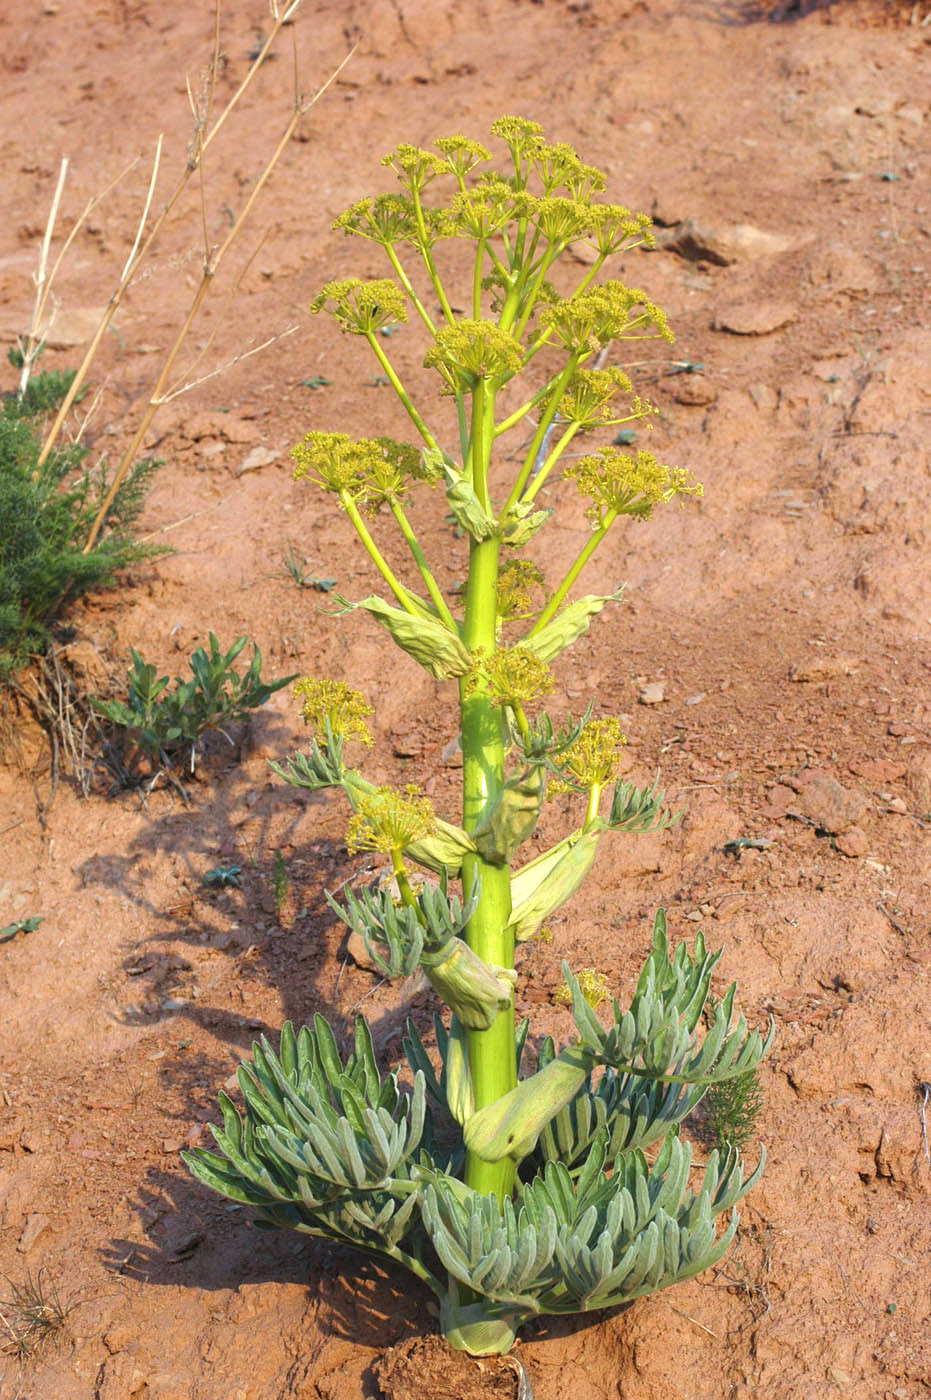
(737, 13)
(196, 1242)
(241, 946)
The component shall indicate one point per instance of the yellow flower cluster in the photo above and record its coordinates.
(362, 307)
(593, 985)
(605, 313)
(373, 471)
(335, 703)
(514, 676)
(462, 153)
(593, 759)
(386, 219)
(620, 484)
(588, 397)
(518, 581)
(416, 167)
(389, 820)
(469, 351)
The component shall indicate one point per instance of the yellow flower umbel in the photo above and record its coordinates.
(514, 676)
(471, 351)
(518, 581)
(335, 704)
(594, 318)
(389, 820)
(591, 762)
(386, 219)
(593, 985)
(362, 307)
(332, 461)
(620, 484)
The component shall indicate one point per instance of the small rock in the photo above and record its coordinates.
(852, 843)
(878, 770)
(826, 803)
(35, 1226)
(824, 668)
(840, 1376)
(699, 242)
(755, 317)
(897, 804)
(918, 781)
(764, 397)
(652, 694)
(583, 252)
(355, 947)
(694, 390)
(258, 457)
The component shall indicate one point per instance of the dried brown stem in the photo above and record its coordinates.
(141, 249)
(211, 266)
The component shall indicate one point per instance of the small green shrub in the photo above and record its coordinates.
(169, 723)
(46, 515)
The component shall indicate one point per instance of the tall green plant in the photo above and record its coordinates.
(508, 1196)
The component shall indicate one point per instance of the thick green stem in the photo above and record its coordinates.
(594, 799)
(492, 1059)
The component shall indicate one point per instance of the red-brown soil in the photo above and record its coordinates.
(787, 615)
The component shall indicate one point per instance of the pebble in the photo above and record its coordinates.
(694, 391)
(852, 843)
(35, 1226)
(755, 317)
(258, 457)
(652, 694)
(826, 803)
(699, 242)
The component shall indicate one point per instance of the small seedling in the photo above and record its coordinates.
(731, 1110)
(223, 877)
(296, 566)
(316, 381)
(281, 883)
(33, 1316)
(21, 926)
(169, 723)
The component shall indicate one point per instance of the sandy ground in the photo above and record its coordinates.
(787, 617)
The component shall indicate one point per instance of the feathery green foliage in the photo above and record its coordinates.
(46, 514)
